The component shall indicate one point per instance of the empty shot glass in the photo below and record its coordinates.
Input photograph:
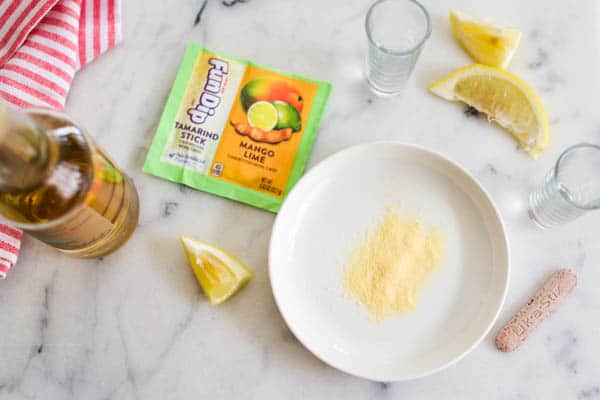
(572, 187)
(396, 31)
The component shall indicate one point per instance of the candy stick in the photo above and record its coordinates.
(537, 309)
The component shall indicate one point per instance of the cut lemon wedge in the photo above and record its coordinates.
(487, 43)
(219, 273)
(504, 97)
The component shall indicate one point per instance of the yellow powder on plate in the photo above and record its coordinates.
(388, 270)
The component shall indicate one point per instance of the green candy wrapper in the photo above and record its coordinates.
(236, 129)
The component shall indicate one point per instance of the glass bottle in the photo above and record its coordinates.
(61, 188)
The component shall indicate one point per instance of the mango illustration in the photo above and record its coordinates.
(269, 89)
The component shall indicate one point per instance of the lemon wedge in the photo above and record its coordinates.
(504, 97)
(219, 273)
(487, 43)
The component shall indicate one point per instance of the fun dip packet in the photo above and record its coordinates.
(236, 129)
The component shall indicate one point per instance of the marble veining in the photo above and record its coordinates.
(135, 325)
(200, 11)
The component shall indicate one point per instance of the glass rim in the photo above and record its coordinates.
(40, 226)
(556, 169)
(398, 52)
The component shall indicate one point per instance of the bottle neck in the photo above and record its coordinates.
(23, 151)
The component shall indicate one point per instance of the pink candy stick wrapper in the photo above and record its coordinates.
(537, 309)
(43, 43)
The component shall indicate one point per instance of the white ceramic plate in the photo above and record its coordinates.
(322, 221)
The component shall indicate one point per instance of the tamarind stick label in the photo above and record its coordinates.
(236, 129)
(203, 112)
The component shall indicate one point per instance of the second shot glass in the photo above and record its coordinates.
(572, 187)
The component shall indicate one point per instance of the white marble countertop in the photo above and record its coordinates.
(135, 324)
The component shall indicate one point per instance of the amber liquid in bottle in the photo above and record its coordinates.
(58, 186)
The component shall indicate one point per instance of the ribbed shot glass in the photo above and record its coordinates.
(571, 189)
(396, 31)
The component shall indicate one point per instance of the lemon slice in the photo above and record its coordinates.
(504, 97)
(219, 273)
(263, 115)
(487, 43)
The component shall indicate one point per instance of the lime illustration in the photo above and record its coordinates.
(262, 115)
(287, 116)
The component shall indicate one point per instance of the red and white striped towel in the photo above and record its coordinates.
(42, 44)
(10, 244)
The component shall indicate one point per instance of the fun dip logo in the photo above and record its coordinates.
(209, 99)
